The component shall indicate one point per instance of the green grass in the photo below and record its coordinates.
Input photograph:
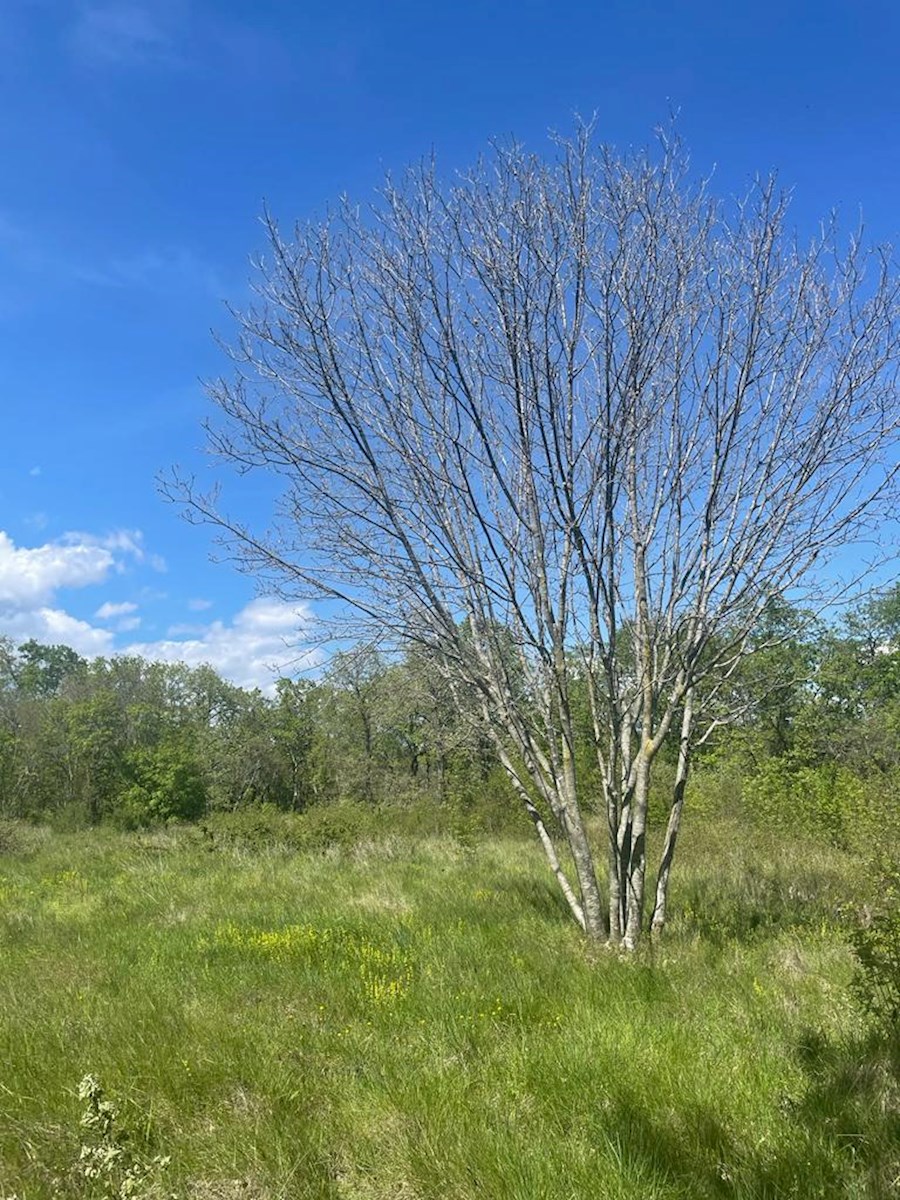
(418, 1018)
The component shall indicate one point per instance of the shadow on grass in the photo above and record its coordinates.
(844, 1138)
(853, 1100)
(538, 896)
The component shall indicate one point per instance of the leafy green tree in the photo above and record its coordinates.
(241, 754)
(356, 678)
(167, 783)
(853, 711)
(96, 745)
(42, 670)
(295, 730)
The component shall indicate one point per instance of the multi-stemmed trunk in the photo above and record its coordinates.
(627, 831)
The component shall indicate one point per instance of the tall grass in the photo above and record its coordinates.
(417, 1017)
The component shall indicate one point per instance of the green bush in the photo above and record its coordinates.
(481, 806)
(254, 827)
(10, 836)
(825, 801)
(342, 824)
(713, 789)
(875, 939)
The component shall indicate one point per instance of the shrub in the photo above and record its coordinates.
(10, 839)
(825, 801)
(478, 805)
(257, 827)
(343, 824)
(254, 827)
(875, 939)
(19, 838)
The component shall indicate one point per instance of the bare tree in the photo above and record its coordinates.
(567, 421)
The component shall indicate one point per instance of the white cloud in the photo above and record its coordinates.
(107, 610)
(126, 541)
(199, 604)
(52, 627)
(34, 472)
(253, 650)
(260, 643)
(121, 541)
(29, 576)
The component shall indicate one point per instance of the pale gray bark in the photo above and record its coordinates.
(546, 841)
(673, 825)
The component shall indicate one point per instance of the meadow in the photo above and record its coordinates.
(410, 1016)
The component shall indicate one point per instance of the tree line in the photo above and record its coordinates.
(140, 742)
(808, 741)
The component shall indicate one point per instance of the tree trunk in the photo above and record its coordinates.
(595, 925)
(544, 838)
(674, 823)
(637, 856)
(616, 924)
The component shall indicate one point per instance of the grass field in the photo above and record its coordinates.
(418, 1018)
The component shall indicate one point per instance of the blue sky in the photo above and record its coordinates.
(138, 141)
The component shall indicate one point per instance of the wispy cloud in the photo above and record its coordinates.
(121, 541)
(124, 34)
(109, 610)
(21, 248)
(35, 262)
(159, 270)
(194, 37)
(185, 629)
(184, 35)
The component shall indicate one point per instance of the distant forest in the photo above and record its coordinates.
(811, 743)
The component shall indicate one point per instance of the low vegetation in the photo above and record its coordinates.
(404, 1014)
